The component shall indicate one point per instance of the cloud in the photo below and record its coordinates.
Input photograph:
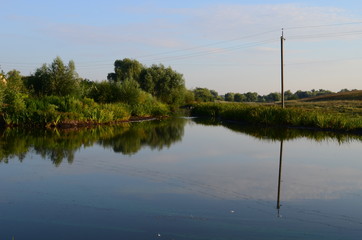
(186, 27)
(235, 20)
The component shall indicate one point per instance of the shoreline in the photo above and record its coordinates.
(84, 124)
(270, 116)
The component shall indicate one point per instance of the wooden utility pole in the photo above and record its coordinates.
(282, 39)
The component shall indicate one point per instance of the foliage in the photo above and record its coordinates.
(15, 81)
(280, 133)
(203, 95)
(55, 79)
(276, 116)
(238, 97)
(126, 69)
(271, 97)
(251, 96)
(167, 85)
(164, 83)
(61, 144)
(229, 97)
(103, 92)
(129, 92)
(13, 106)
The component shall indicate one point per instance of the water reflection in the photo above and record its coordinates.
(129, 138)
(58, 145)
(280, 176)
(221, 182)
(282, 133)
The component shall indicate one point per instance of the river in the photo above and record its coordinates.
(181, 178)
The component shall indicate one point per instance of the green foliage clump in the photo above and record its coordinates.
(163, 83)
(55, 79)
(276, 116)
(58, 144)
(204, 95)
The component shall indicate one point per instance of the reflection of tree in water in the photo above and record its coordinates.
(58, 145)
(154, 134)
(282, 133)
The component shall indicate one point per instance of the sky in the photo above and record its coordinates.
(227, 46)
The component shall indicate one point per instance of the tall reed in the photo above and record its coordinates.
(276, 116)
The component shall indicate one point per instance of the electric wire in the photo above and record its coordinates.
(204, 50)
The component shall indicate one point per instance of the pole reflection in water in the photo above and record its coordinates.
(280, 176)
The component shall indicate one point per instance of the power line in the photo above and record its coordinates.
(325, 35)
(214, 51)
(323, 25)
(180, 54)
(208, 45)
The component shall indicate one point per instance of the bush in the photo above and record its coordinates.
(276, 116)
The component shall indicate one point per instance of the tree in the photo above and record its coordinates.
(251, 96)
(238, 97)
(302, 94)
(203, 95)
(273, 97)
(288, 95)
(102, 92)
(14, 81)
(126, 69)
(215, 94)
(229, 97)
(164, 83)
(55, 79)
(129, 92)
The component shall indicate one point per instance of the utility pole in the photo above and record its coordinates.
(282, 39)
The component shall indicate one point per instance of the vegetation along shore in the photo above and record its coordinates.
(55, 96)
(274, 115)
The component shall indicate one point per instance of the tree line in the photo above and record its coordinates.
(207, 95)
(55, 92)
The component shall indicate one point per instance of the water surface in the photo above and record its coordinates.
(180, 179)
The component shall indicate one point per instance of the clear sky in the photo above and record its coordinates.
(228, 45)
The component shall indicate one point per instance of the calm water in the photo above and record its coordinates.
(180, 179)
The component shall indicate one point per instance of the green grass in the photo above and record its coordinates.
(276, 116)
(352, 95)
(54, 111)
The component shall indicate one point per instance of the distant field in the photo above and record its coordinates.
(349, 103)
(353, 95)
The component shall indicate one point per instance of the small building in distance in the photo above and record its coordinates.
(2, 79)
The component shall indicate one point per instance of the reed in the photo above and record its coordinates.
(276, 116)
(53, 110)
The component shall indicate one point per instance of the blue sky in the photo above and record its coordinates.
(228, 46)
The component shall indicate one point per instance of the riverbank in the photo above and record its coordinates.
(297, 117)
(67, 112)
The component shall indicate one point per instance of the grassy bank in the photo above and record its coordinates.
(54, 111)
(276, 116)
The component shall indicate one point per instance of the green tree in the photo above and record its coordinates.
(129, 92)
(273, 97)
(215, 94)
(164, 83)
(229, 97)
(303, 94)
(288, 95)
(102, 92)
(15, 81)
(126, 69)
(251, 96)
(238, 97)
(203, 95)
(55, 79)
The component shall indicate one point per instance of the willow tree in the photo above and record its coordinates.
(126, 69)
(164, 83)
(55, 79)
